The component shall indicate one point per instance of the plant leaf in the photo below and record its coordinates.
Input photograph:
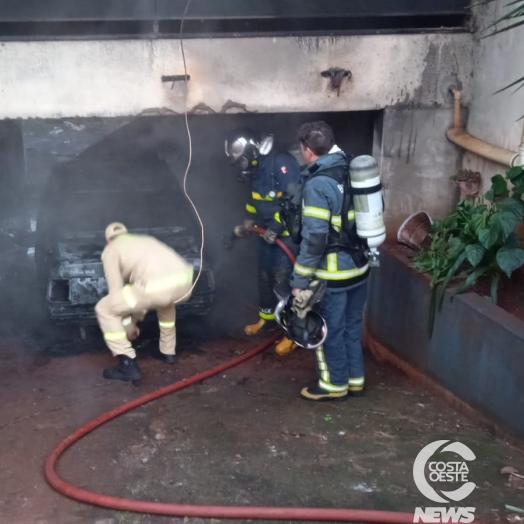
(456, 246)
(505, 222)
(514, 172)
(481, 209)
(509, 259)
(478, 221)
(451, 273)
(488, 236)
(504, 29)
(470, 281)
(519, 81)
(512, 206)
(518, 181)
(475, 253)
(499, 186)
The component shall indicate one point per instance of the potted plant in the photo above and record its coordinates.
(478, 240)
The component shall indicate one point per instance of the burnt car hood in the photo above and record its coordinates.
(78, 254)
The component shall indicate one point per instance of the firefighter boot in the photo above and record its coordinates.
(285, 347)
(127, 369)
(253, 329)
(317, 394)
(164, 357)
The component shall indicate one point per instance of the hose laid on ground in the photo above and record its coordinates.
(186, 510)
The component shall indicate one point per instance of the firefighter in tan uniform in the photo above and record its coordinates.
(142, 274)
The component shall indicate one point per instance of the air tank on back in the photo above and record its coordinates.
(369, 204)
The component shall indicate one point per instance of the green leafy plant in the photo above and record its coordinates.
(477, 240)
(514, 18)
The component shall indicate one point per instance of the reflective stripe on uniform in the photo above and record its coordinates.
(277, 218)
(330, 387)
(167, 325)
(267, 198)
(356, 381)
(325, 214)
(115, 335)
(303, 270)
(316, 212)
(264, 315)
(250, 208)
(322, 364)
(336, 221)
(172, 281)
(332, 263)
(129, 298)
(340, 275)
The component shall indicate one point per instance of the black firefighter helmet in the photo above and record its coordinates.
(309, 332)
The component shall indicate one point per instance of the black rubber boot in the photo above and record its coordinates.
(127, 369)
(356, 393)
(158, 355)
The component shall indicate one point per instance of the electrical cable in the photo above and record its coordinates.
(190, 155)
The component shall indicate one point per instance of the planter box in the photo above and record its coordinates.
(477, 349)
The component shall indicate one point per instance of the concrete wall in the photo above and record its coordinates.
(416, 162)
(115, 78)
(497, 63)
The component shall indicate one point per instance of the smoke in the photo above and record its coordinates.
(81, 165)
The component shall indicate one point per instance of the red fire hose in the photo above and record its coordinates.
(186, 510)
(278, 242)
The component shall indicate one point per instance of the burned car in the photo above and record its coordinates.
(75, 210)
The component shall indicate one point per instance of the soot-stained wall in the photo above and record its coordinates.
(137, 150)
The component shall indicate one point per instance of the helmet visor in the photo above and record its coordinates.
(236, 149)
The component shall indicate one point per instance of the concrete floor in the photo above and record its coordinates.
(241, 438)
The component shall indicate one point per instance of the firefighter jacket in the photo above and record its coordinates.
(269, 184)
(145, 261)
(322, 202)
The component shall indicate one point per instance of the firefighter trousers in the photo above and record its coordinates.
(274, 268)
(340, 363)
(118, 312)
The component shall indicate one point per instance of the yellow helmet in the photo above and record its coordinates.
(115, 229)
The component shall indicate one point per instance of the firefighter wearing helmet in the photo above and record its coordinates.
(142, 274)
(270, 173)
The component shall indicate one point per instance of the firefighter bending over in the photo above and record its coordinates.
(142, 274)
(270, 173)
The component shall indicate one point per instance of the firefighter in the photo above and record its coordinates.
(270, 172)
(330, 250)
(142, 274)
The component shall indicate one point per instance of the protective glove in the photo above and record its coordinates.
(240, 231)
(301, 303)
(305, 299)
(270, 236)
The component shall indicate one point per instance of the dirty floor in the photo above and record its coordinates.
(241, 438)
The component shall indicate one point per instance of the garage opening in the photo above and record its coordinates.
(68, 179)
